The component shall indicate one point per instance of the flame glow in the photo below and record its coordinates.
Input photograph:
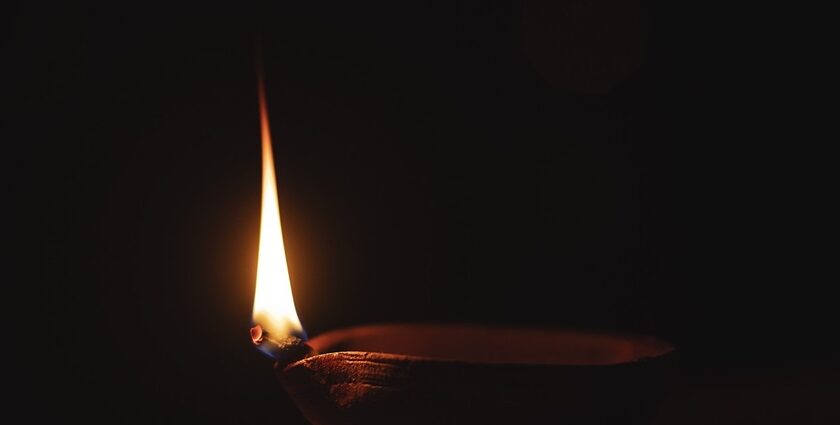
(274, 307)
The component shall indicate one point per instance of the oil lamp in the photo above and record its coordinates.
(443, 373)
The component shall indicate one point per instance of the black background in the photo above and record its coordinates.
(591, 164)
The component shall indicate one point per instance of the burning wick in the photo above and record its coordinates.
(285, 350)
(277, 331)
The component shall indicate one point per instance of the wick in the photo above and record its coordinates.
(257, 335)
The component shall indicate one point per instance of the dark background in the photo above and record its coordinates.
(591, 164)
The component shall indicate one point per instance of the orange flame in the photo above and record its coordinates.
(274, 307)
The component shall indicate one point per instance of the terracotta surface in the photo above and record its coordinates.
(450, 374)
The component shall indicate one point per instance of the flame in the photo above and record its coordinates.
(274, 307)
